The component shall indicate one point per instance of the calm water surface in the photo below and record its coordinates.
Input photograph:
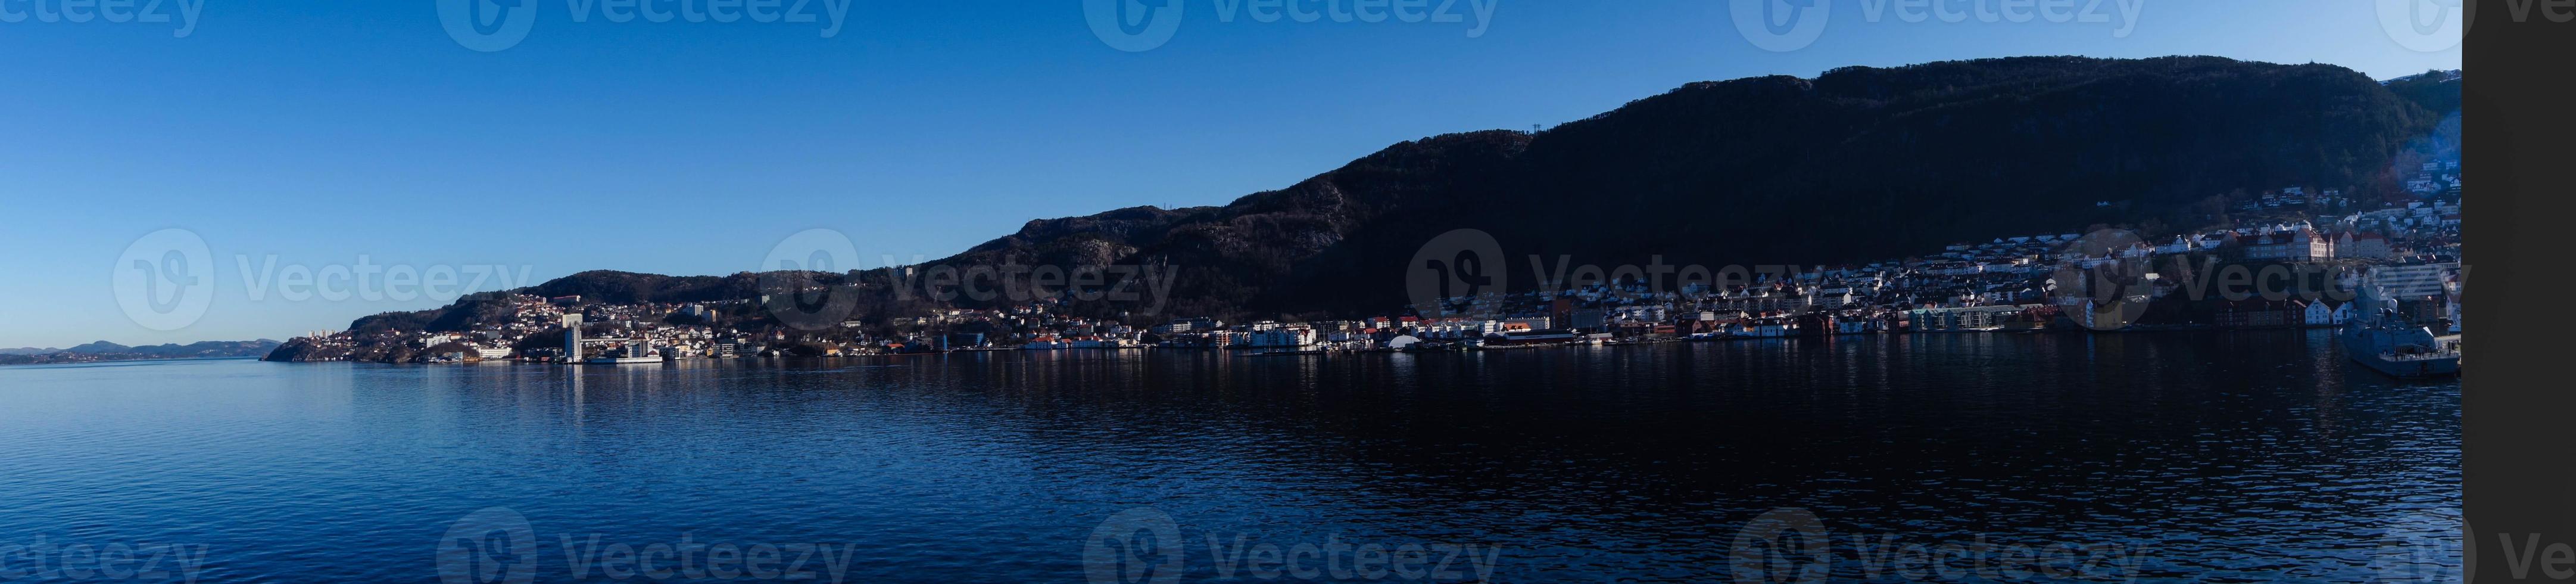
(2181, 456)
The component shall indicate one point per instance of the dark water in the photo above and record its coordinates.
(2206, 457)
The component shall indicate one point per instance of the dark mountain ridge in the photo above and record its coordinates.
(1856, 164)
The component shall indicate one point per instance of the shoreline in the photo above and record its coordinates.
(1276, 352)
(100, 361)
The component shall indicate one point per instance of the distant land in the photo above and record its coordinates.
(106, 351)
(1856, 164)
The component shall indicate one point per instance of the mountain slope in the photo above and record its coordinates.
(1857, 164)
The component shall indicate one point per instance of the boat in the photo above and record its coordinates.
(654, 360)
(2387, 343)
(1538, 337)
(2400, 350)
(1435, 347)
(632, 354)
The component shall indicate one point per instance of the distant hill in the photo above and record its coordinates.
(1856, 164)
(106, 351)
(99, 347)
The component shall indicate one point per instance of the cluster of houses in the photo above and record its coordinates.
(2435, 178)
(2010, 283)
(2004, 284)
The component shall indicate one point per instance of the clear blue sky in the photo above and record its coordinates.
(320, 131)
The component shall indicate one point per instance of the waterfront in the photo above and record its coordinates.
(2249, 455)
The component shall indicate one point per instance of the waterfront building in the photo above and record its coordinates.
(1967, 318)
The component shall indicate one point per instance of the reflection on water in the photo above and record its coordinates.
(2244, 456)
